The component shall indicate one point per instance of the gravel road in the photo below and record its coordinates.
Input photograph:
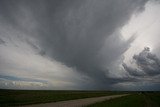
(76, 103)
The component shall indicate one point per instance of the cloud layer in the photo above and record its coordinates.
(69, 44)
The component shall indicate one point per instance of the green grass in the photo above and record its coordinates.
(134, 100)
(23, 97)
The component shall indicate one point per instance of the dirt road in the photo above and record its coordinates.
(76, 103)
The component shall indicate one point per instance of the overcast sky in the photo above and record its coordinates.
(80, 44)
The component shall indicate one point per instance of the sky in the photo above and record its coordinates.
(80, 45)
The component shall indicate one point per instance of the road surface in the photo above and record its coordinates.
(76, 103)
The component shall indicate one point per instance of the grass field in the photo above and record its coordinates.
(23, 97)
(150, 99)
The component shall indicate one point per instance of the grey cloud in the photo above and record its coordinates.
(12, 82)
(146, 62)
(35, 47)
(133, 71)
(110, 52)
(21, 79)
(76, 33)
(2, 41)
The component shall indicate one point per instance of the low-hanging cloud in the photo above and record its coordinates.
(147, 64)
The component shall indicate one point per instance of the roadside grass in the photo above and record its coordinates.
(24, 97)
(134, 100)
(153, 99)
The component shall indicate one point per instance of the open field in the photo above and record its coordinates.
(28, 97)
(150, 99)
(24, 97)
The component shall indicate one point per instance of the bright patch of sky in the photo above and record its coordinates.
(145, 26)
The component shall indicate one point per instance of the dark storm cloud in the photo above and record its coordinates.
(132, 71)
(147, 64)
(76, 33)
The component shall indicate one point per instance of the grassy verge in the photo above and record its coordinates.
(135, 100)
(23, 97)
